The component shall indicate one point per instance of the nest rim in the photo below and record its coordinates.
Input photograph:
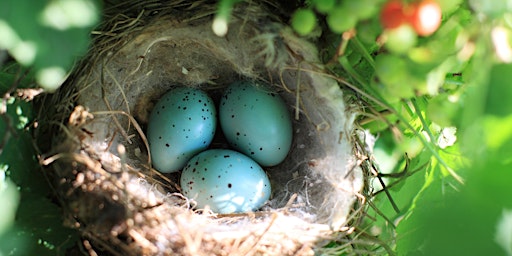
(80, 116)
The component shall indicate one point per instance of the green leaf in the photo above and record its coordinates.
(498, 131)
(14, 75)
(9, 200)
(21, 240)
(18, 155)
(464, 223)
(43, 219)
(449, 6)
(37, 228)
(493, 8)
(499, 91)
(443, 111)
(49, 35)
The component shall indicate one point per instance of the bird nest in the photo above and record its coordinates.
(92, 134)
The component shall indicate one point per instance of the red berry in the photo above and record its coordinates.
(393, 15)
(426, 17)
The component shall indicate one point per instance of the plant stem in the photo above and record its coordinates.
(346, 65)
(360, 47)
(402, 119)
(422, 119)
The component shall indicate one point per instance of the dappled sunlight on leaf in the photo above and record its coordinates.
(65, 14)
(47, 35)
(504, 231)
(9, 199)
(497, 131)
(51, 78)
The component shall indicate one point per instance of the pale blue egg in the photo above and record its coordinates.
(226, 181)
(256, 122)
(181, 125)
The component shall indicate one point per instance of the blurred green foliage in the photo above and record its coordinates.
(40, 42)
(30, 223)
(47, 35)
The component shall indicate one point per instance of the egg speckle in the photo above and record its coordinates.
(226, 181)
(181, 125)
(256, 122)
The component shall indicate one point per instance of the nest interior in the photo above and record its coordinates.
(94, 145)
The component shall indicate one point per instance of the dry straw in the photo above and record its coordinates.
(92, 135)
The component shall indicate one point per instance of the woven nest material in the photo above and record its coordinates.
(98, 158)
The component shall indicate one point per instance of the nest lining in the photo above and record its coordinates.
(100, 159)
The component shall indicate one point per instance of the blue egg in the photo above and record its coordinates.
(181, 125)
(256, 122)
(226, 181)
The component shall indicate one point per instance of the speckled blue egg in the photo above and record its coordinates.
(181, 125)
(226, 181)
(256, 122)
